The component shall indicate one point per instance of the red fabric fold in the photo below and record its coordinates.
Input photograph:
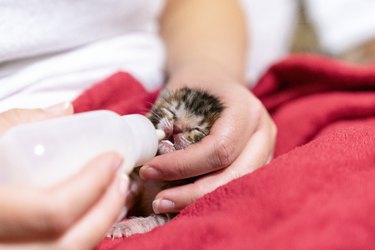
(120, 93)
(307, 93)
(317, 193)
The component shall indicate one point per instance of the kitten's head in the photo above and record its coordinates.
(186, 115)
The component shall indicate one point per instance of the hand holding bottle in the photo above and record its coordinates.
(73, 214)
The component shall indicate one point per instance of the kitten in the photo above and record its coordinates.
(186, 116)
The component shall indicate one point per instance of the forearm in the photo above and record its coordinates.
(205, 41)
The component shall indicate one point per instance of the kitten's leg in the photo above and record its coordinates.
(135, 189)
(165, 147)
(137, 225)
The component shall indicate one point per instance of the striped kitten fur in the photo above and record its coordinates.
(186, 115)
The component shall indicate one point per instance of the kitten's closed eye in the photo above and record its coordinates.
(170, 113)
(186, 115)
(200, 131)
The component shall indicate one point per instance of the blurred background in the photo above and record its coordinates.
(341, 29)
(305, 38)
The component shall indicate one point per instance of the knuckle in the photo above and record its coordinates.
(273, 130)
(17, 115)
(223, 154)
(55, 224)
(178, 170)
(9, 116)
(257, 109)
(202, 188)
(182, 170)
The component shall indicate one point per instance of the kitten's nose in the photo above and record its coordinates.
(177, 129)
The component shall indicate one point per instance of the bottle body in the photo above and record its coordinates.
(46, 152)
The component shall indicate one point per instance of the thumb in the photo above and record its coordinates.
(13, 117)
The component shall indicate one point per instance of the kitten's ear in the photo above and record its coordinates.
(164, 93)
(161, 100)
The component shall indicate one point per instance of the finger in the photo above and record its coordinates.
(28, 246)
(13, 117)
(256, 154)
(217, 150)
(50, 212)
(91, 228)
(83, 190)
(34, 245)
(60, 109)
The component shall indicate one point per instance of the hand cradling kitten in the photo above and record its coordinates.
(186, 116)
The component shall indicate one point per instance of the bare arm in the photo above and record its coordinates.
(204, 34)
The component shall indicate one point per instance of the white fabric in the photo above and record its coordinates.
(271, 24)
(342, 24)
(50, 51)
(63, 77)
(69, 45)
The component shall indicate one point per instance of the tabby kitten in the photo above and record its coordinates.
(186, 116)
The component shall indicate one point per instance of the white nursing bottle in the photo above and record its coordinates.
(46, 152)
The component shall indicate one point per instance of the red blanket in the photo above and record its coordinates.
(317, 193)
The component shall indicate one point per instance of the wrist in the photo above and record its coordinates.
(203, 73)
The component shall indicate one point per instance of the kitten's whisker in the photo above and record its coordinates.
(168, 122)
(185, 140)
(150, 104)
(156, 115)
(164, 122)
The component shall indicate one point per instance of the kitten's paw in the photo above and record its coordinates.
(165, 147)
(136, 225)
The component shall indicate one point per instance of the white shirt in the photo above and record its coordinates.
(50, 51)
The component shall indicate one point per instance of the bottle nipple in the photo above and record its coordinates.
(160, 134)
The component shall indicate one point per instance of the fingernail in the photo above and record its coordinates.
(59, 108)
(124, 184)
(150, 173)
(163, 206)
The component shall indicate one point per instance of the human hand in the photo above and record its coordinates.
(240, 141)
(13, 117)
(209, 52)
(74, 214)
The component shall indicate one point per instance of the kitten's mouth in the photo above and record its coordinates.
(176, 138)
(171, 139)
(169, 135)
